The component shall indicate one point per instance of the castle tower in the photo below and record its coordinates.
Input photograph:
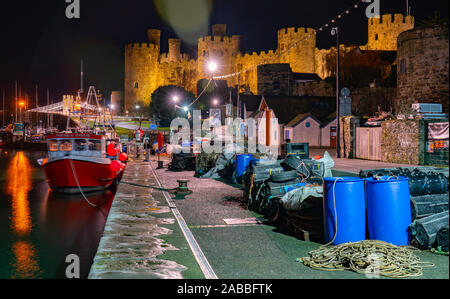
(174, 49)
(219, 48)
(301, 57)
(219, 30)
(154, 36)
(141, 67)
(383, 32)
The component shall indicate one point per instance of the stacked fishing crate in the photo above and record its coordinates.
(429, 196)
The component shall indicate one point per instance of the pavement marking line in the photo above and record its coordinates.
(221, 225)
(195, 248)
(234, 221)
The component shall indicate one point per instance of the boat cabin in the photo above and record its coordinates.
(76, 144)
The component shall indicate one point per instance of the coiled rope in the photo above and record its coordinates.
(372, 257)
(368, 256)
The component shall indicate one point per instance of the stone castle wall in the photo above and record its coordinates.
(384, 31)
(423, 68)
(148, 68)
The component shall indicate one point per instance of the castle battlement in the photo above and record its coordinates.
(216, 39)
(295, 31)
(262, 54)
(386, 19)
(164, 57)
(141, 46)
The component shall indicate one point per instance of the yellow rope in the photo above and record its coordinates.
(392, 261)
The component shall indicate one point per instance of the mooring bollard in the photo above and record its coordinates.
(160, 164)
(182, 189)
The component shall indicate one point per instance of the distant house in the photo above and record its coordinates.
(329, 131)
(304, 127)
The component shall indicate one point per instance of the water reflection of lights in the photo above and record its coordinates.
(19, 184)
(25, 263)
(19, 178)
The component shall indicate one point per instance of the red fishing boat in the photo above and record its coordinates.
(78, 162)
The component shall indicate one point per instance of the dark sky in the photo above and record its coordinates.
(39, 45)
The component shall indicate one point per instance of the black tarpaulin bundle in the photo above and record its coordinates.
(422, 181)
(424, 230)
(182, 162)
(423, 206)
(442, 239)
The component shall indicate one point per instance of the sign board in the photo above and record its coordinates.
(153, 127)
(345, 106)
(215, 113)
(18, 129)
(228, 110)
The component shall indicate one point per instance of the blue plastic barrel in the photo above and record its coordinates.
(242, 162)
(349, 203)
(388, 209)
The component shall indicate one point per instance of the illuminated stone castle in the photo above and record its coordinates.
(146, 68)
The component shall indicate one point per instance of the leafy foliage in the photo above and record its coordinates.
(163, 106)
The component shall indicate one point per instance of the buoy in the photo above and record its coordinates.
(112, 152)
(115, 165)
(123, 157)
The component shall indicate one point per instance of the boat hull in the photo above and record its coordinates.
(69, 175)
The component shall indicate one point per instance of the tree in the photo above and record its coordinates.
(140, 111)
(217, 89)
(437, 19)
(163, 105)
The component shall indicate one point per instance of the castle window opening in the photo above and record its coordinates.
(136, 85)
(376, 36)
(276, 85)
(402, 66)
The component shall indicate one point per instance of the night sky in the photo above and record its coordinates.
(39, 45)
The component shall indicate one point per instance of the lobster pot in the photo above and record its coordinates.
(344, 210)
(442, 239)
(388, 209)
(424, 230)
(423, 206)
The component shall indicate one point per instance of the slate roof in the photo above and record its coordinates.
(287, 108)
(306, 77)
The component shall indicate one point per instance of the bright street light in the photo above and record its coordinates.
(185, 108)
(175, 99)
(112, 106)
(215, 101)
(137, 106)
(212, 66)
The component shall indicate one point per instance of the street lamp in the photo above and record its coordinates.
(212, 66)
(185, 108)
(215, 102)
(21, 105)
(175, 99)
(335, 32)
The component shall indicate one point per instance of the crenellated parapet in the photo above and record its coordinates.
(300, 56)
(383, 31)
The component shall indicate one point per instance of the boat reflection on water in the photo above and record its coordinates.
(44, 226)
(74, 226)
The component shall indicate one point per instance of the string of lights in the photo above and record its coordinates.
(296, 44)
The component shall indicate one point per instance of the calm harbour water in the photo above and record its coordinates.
(38, 227)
